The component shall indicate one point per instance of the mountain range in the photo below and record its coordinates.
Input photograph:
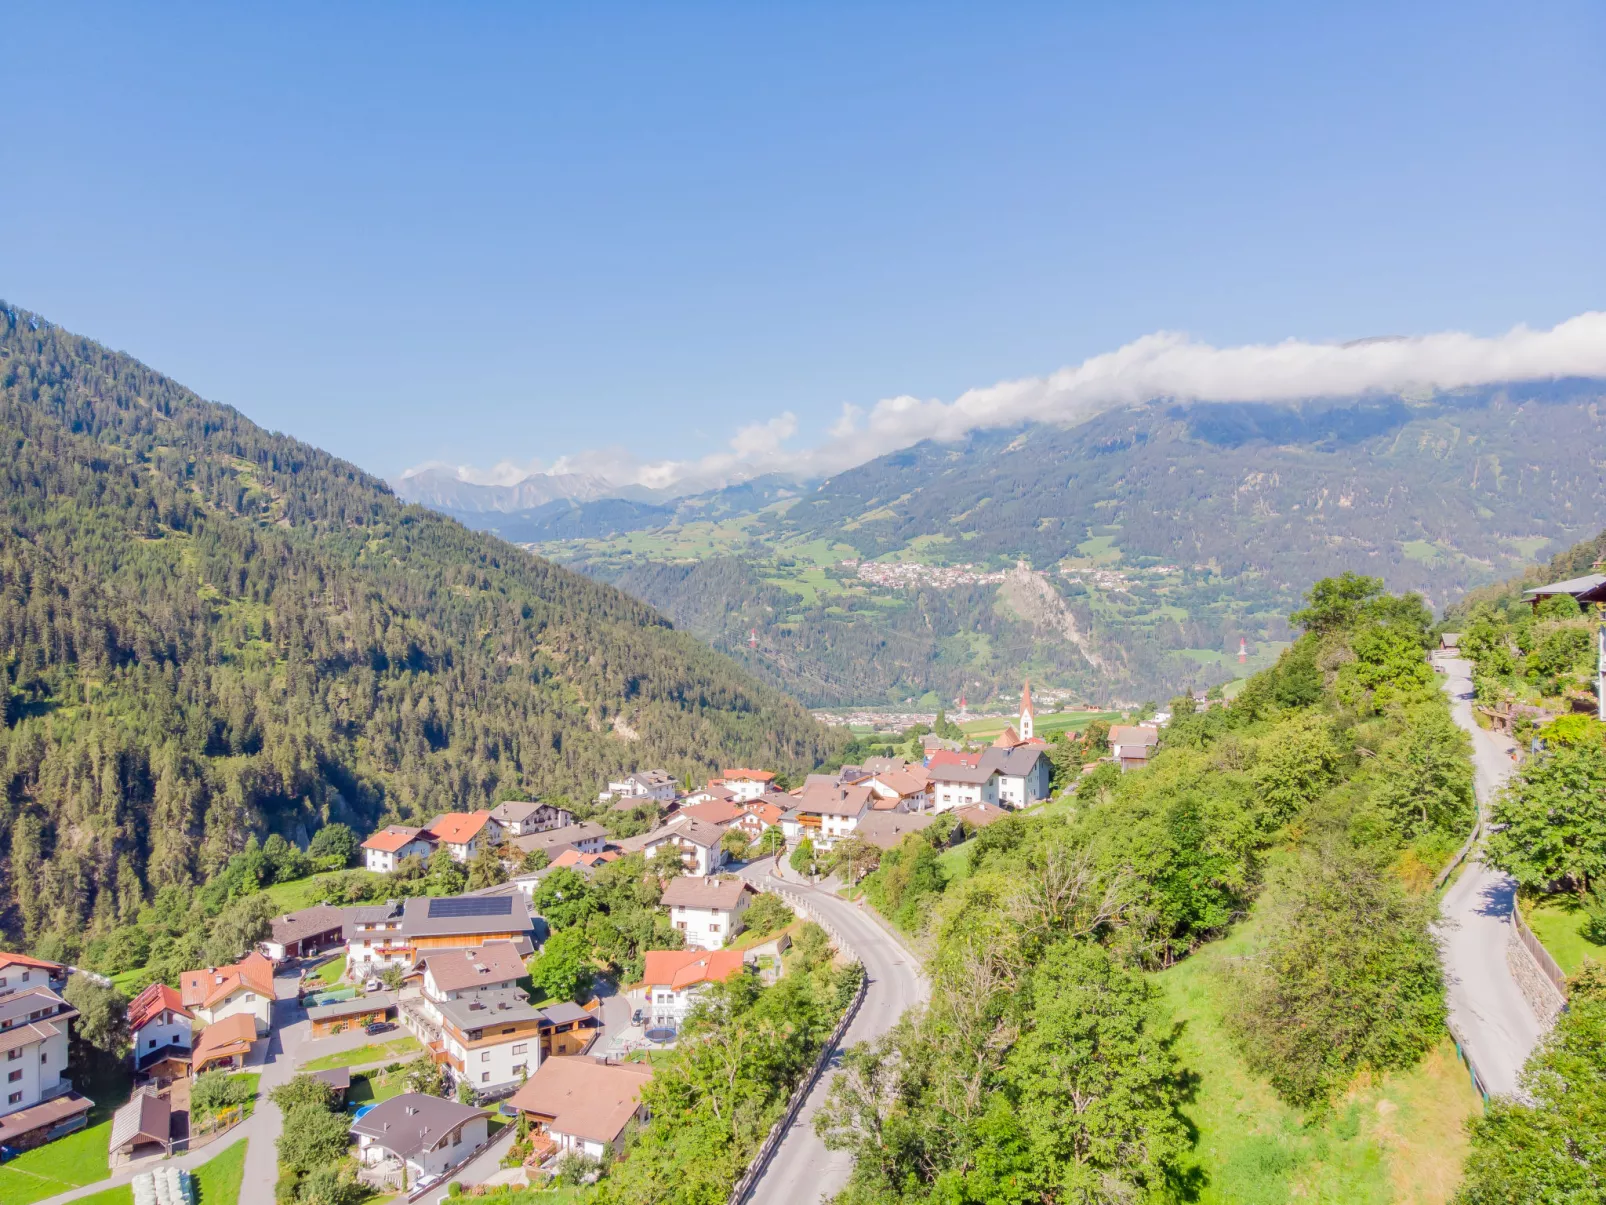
(1124, 557)
(209, 632)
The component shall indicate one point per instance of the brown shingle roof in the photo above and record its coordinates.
(584, 1098)
(230, 1036)
(688, 892)
(204, 988)
(494, 962)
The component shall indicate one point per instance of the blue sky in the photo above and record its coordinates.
(478, 232)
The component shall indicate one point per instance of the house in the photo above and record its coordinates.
(463, 974)
(426, 1135)
(582, 862)
(1576, 587)
(35, 1031)
(828, 811)
(957, 783)
(643, 785)
(19, 972)
(224, 1045)
(713, 793)
(490, 1040)
(979, 815)
(519, 819)
(674, 978)
(581, 1104)
(341, 1016)
(587, 838)
(746, 784)
(695, 842)
(399, 933)
(464, 834)
(1133, 744)
(305, 934)
(214, 993)
(761, 814)
(902, 790)
(721, 813)
(145, 1122)
(1024, 774)
(384, 850)
(160, 1032)
(886, 830)
(708, 912)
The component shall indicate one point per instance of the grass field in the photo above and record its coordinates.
(1555, 922)
(302, 893)
(217, 1182)
(375, 1052)
(955, 863)
(1046, 725)
(329, 973)
(371, 1087)
(1397, 1139)
(67, 1163)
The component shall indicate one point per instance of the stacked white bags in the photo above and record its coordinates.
(164, 1186)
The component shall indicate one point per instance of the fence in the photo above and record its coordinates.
(799, 1094)
(1439, 879)
(1547, 964)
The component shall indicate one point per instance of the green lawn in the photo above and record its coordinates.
(217, 1182)
(1399, 1138)
(1555, 922)
(329, 973)
(1045, 725)
(375, 1052)
(372, 1087)
(303, 893)
(69, 1162)
(955, 863)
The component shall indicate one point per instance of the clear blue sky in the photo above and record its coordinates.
(470, 232)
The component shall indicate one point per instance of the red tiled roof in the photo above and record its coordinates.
(740, 775)
(947, 757)
(715, 811)
(394, 837)
(682, 968)
(23, 960)
(230, 1036)
(457, 828)
(152, 1002)
(206, 987)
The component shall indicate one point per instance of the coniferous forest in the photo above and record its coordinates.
(209, 632)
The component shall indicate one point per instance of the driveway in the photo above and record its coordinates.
(802, 1171)
(1497, 1025)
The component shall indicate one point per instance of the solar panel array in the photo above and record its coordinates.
(471, 905)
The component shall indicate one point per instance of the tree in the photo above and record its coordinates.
(214, 1091)
(446, 877)
(767, 914)
(424, 1075)
(391, 977)
(486, 869)
(1094, 1079)
(1554, 813)
(1553, 1147)
(735, 844)
(1348, 976)
(564, 898)
(331, 1186)
(312, 1137)
(770, 842)
(858, 856)
(802, 859)
(102, 1025)
(238, 928)
(1424, 775)
(334, 841)
(465, 1093)
(536, 859)
(303, 1089)
(563, 968)
(1333, 602)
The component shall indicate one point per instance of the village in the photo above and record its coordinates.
(417, 1017)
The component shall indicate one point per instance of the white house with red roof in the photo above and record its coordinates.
(464, 834)
(161, 1030)
(244, 987)
(384, 850)
(19, 972)
(674, 978)
(746, 784)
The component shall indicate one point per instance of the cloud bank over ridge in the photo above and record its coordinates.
(1161, 365)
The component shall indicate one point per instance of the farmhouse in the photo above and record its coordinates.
(582, 1105)
(214, 993)
(708, 912)
(384, 850)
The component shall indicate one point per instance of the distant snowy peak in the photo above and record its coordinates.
(444, 489)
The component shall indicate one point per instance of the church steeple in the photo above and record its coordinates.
(1026, 714)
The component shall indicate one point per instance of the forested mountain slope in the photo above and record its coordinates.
(1168, 532)
(208, 630)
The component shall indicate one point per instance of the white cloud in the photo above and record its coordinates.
(1161, 365)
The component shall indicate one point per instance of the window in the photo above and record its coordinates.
(14, 1099)
(522, 1048)
(44, 1058)
(14, 1054)
(485, 1077)
(249, 997)
(457, 1137)
(485, 1056)
(713, 926)
(14, 1076)
(153, 1044)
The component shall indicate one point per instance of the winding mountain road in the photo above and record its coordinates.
(802, 1171)
(1496, 1024)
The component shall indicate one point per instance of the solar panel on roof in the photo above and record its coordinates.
(471, 905)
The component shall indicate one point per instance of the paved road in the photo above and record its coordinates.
(1498, 1026)
(802, 1171)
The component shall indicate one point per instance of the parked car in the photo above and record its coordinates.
(637, 1017)
(379, 1027)
(373, 985)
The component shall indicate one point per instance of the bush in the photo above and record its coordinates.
(767, 913)
(214, 1091)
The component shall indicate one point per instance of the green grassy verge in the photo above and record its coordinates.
(1555, 921)
(1397, 1138)
(1045, 725)
(70, 1162)
(955, 863)
(329, 973)
(375, 1052)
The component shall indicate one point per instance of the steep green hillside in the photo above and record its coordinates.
(208, 630)
(1152, 540)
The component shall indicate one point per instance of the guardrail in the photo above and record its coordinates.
(1465, 1054)
(1477, 831)
(777, 1134)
